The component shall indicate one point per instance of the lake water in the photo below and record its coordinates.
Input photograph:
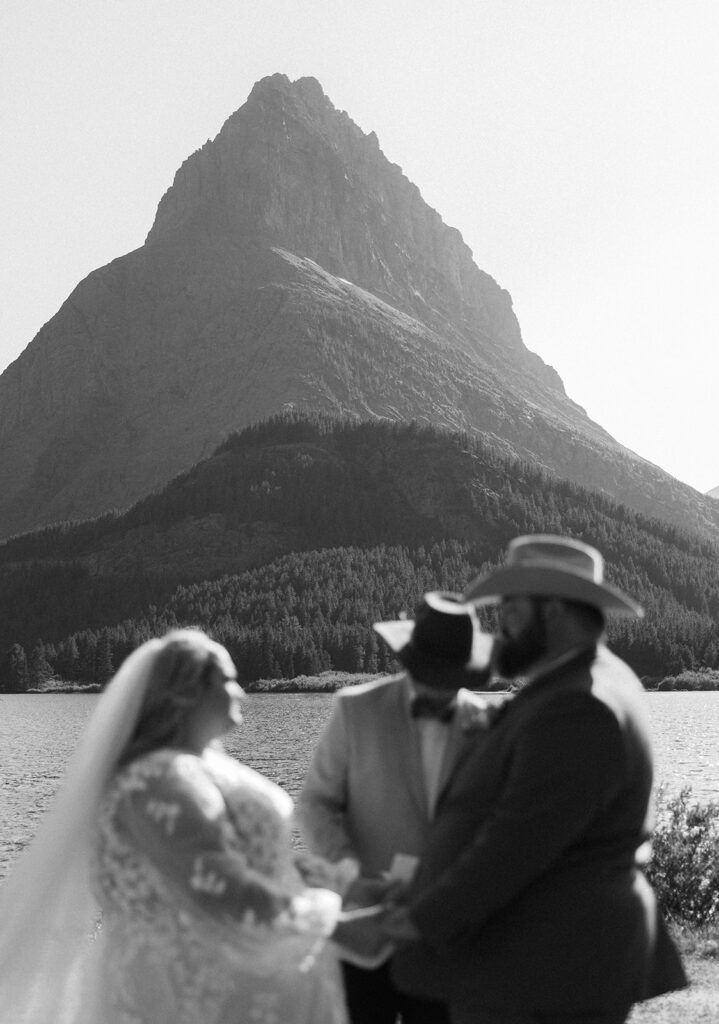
(38, 734)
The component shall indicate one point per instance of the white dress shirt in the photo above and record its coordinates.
(433, 739)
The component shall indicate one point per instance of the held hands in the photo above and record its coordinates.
(318, 910)
(368, 892)
(373, 918)
(369, 922)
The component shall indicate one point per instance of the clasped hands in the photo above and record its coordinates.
(390, 923)
(373, 913)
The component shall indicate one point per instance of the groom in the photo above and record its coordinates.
(531, 882)
(389, 751)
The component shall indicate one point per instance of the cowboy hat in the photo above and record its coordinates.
(542, 565)
(443, 637)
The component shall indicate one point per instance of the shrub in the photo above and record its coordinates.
(325, 682)
(701, 679)
(684, 867)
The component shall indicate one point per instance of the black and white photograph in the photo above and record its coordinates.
(359, 512)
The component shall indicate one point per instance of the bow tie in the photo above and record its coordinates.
(425, 706)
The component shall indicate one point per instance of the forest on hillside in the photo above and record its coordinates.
(361, 519)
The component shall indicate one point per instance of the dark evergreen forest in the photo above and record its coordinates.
(299, 532)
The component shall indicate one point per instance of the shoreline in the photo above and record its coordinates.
(339, 680)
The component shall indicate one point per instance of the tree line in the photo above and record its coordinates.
(309, 612)
(359, 519)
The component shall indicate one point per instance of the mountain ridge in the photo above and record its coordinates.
(289, 265)
(283, 510)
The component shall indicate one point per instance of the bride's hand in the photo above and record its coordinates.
(317, 872)
(315, 911)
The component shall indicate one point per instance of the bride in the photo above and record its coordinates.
(161, 887)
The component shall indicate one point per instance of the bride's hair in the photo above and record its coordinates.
(182, 672)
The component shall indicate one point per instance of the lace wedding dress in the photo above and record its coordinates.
(165, 891)
(194, 873)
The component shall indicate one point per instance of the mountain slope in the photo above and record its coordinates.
(296, 522)
(290, 265)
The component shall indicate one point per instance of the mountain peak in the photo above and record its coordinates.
(276, 98)
(306, 90)
(270, 83)
(291, 264)
(290, 170)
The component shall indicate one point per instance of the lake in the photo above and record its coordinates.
(38, 734)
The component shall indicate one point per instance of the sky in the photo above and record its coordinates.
(574, 144)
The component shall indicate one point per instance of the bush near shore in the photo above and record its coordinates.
(325, 682)
(333, 679)
(684, 870)
(60, 686)
(698, 679)
(684, 866)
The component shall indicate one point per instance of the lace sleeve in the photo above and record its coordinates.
(175, 815)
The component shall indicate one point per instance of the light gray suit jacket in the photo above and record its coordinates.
(364, 794)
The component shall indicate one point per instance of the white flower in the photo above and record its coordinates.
(203, 880)
(163, 812)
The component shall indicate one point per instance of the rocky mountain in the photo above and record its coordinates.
(714, 493)
(290, 265)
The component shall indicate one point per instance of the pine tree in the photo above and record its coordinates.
(39, 669)
(104, 658)
(13, 670)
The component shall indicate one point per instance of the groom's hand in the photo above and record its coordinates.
(365, 892)
(398, 926)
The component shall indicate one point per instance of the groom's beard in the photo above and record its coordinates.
(515, 655)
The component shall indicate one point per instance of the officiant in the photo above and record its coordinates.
(388, 751)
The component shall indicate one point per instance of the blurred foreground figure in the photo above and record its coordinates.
(530, 891)
(181, 858)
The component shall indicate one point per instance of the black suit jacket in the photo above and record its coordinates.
(529, 888)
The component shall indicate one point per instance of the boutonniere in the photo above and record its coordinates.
(481, 715)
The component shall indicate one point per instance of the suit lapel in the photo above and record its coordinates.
(460, 743)
(463, 742)
(404, 740)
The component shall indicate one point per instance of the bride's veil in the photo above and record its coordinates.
(47, 912)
